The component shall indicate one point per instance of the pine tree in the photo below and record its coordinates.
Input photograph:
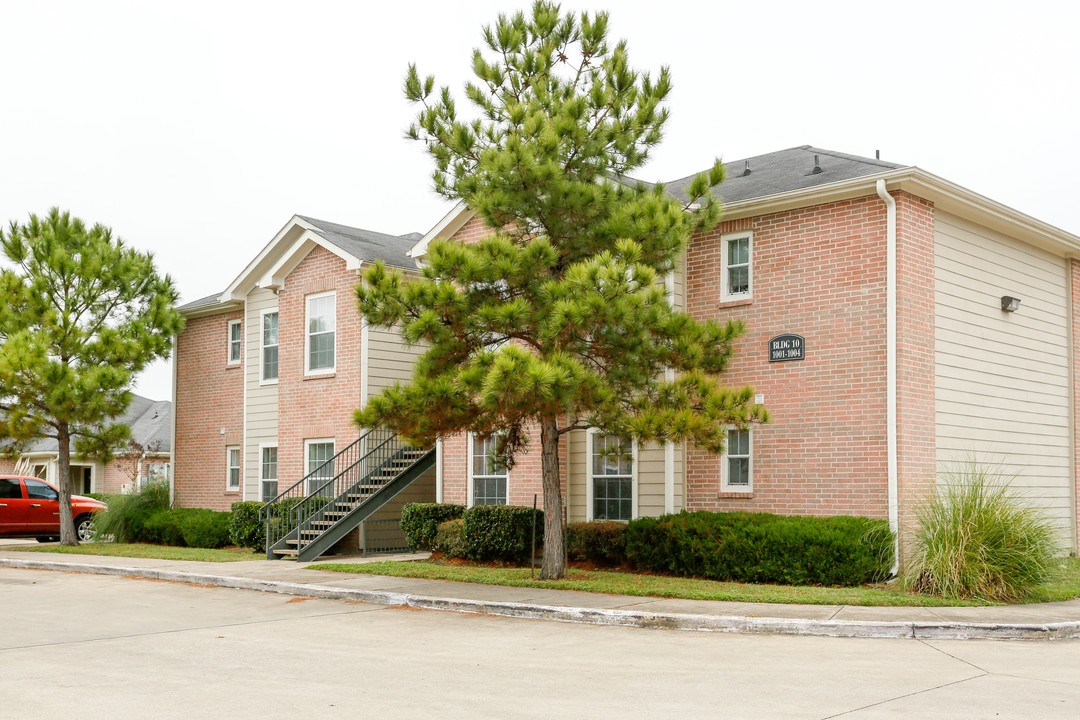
(83, 313)
(559, 319)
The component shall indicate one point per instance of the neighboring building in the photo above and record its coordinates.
(873, 298)
(145, 459)
(269, 372)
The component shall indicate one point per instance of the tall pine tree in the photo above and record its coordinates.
(83, 313)
(558, 320)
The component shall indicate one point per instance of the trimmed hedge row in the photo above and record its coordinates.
(482, 532)
(602, 542)
(420, 522)
(762, 547)
(183, 527)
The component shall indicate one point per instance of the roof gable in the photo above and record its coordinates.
(292, 243)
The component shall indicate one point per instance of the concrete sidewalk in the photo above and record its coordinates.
(1047, 621)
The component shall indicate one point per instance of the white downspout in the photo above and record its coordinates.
(172, 439)
(438, 470)
(890, 370)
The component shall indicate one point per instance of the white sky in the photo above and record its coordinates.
(196, 129)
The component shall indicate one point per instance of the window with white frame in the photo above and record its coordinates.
(236, 330)
(320, 465)
(232, 460)
(268, 471)
(737, 272)
(611, 477)
(488, 471)
(321, 331)
(270, 347)
(738, 467)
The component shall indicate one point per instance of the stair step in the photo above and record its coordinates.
(286, 552)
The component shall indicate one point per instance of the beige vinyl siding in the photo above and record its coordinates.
(389, 361)
(576, 476)
(650, 480)
(679, 286)
(261, 410)
(1002, 379)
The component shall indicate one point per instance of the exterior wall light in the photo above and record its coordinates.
(1009, 303)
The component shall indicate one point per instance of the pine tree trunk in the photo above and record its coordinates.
(63, 466)
(554, 566)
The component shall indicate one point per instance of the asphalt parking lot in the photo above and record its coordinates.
(114, 647)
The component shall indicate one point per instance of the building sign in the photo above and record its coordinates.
(787, 347)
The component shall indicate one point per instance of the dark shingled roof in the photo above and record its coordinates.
(786, 170)
(208, 301)
(368, 244)
(150, 422)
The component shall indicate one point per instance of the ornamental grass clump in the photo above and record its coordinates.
(977, 540)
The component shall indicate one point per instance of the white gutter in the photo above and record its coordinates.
(890, 370)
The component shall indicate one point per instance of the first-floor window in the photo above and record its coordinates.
(232, 478)
(738, 468)
(268, 473)
(320, 466)
(489, 473)
(612, 477)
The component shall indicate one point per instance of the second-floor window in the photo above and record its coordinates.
(270, 347)
(235, 334)
(321, 332)
(737, 272)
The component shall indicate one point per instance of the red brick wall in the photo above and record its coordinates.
(7, 467)
(118, 473)
(209, 397)
(915, 371)
(316, 406)
(818, 272)
(526, 477)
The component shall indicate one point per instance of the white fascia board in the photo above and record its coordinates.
(944, 194)
(255, 269)
(450, 224)
(288, 259)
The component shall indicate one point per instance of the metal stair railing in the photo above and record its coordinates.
(277, 515)
(387, 457)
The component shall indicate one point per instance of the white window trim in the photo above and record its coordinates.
(590, 491)
(725, 295)
(263, 446)
(469, 485)
(724, 472)
(228, 468)
(262, 364)
(228, 347)
(307, 334)
(317, 441)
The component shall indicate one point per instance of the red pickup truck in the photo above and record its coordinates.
(30, 507)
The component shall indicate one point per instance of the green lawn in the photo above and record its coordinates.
(142, 550)
(1066, 587)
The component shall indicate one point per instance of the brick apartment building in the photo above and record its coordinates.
(882, 334)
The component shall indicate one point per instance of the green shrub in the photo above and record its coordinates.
(103, 497)
(761, 547)
(450, 538)
(162, 527)
(246, 530)
(204, 528)
(977, 540)
(602, 542)
(126, 515)
(419, 522)
(501, 532)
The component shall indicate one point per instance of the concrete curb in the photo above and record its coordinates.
(594, 616)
